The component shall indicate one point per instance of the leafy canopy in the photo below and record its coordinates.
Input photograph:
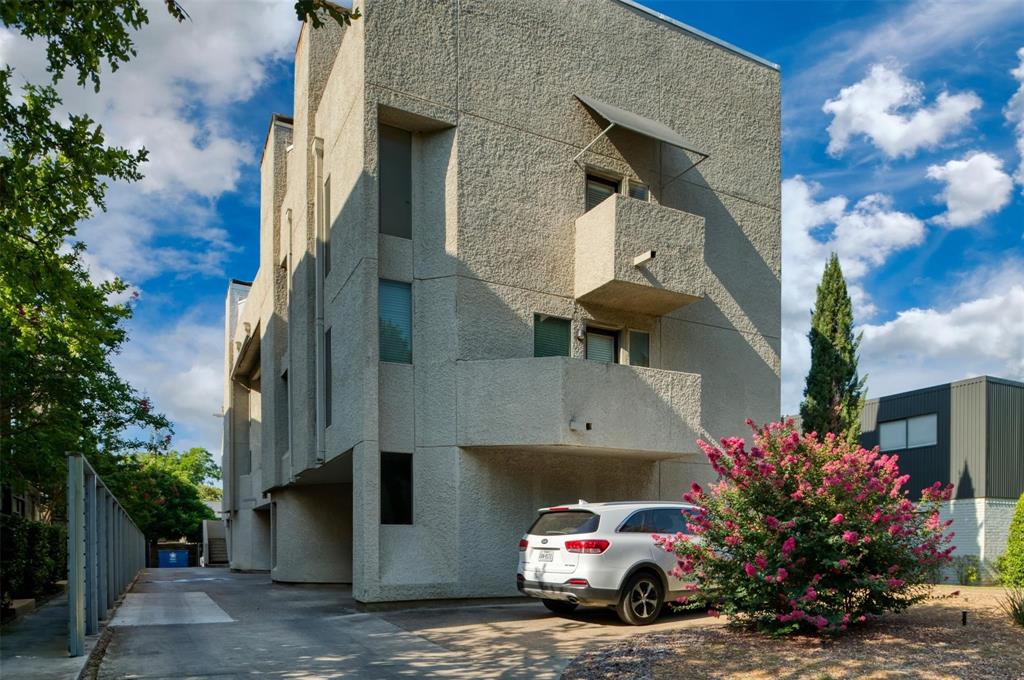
(833, 395)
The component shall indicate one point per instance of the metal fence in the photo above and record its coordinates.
(105, 551)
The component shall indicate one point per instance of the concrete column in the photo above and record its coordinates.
(76, 555)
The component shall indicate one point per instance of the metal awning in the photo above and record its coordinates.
(638, 124)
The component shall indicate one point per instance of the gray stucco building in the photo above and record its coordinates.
(511, 256)
(970, 433)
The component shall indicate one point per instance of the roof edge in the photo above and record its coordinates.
(700, 34)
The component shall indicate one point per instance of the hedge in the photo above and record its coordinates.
(33, 557)
(1011, 564)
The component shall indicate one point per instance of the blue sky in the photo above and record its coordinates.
(908, 174)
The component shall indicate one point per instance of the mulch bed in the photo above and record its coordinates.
(927, 641)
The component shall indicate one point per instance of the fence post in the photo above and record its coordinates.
(91, 613)
(76, 555)
(101, 552)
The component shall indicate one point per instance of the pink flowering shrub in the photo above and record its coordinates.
(808, 534)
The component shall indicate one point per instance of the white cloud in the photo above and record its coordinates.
(1014, 113)
(888, 109)
(980, 331)
(976, 186)
(180, 367)
(864, 237)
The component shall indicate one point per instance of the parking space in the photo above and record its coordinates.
(321, 632)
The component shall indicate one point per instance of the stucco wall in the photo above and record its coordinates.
(489, 97)
(313, 532)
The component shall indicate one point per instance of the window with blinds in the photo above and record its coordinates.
(550, 336)
(598, 189)
(602, 345)
(395, 316)
(395, 182)
(639, 191)
(639, 348)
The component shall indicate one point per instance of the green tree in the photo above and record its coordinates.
(208, 492)
(834, 394)
(59, 329)
(1011, 564)
(163, 491)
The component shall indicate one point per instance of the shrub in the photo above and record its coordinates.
(808, 534)
(33, 557)
(968, 569)
(1011, 563)
(1013, 604)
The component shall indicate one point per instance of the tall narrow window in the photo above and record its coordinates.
(602, 345)
(395, 488)
(286, 420)
(395, 182)
(328, 223)
(550, 336)
(395, 302)
(598, 189)
(328, 378)
(639, 348)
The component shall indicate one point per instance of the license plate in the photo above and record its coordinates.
(546, 556)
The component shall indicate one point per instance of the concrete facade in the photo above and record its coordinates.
(498, 225)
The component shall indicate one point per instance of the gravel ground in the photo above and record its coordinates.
(927, 641)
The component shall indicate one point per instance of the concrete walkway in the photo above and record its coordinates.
(37, 645)
(320, 632)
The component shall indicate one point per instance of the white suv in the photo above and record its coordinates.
(603, 554)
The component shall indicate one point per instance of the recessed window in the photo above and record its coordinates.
(328, 223)
(598, 189)
(602, 345)
(328, 378)
(395, 303)
(909, 433)
(395, 488)
(639, 191)
(639, 348)
(395, 182)
(550, 336)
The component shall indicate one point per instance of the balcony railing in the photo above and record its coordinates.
(577, 406)
(640, 256)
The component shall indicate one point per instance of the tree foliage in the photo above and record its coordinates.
(1011, 564)
(833, 395)
(802, 533)
(161, 491)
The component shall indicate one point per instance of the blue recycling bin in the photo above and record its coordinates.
(172, 558)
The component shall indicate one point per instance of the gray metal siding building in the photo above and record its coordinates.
(970, 433)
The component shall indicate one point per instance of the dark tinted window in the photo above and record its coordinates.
(639, 522)
(565, 522)
(669, 521)
(550, 336)
(598, 189)
(395, 488)
(395, 182)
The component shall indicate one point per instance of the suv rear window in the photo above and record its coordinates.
(564, 522)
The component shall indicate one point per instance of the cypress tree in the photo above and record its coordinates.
(833, 394)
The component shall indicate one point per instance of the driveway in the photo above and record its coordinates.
(212, 623)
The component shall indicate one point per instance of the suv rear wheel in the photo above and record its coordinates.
(560, 607)
(641, 600)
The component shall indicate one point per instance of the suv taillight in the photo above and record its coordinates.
(523, 544)
(590, 546)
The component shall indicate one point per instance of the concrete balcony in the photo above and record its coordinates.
(577, 406)
(614, 269)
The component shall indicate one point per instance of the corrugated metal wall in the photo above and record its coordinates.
(1005, 439)
(967, 466)
(927, 464)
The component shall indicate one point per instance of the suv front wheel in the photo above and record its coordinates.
(641, 600)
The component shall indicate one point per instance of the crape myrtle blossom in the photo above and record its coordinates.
(808, 533)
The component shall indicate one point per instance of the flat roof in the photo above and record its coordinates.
(932, 388)
(700, 34)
